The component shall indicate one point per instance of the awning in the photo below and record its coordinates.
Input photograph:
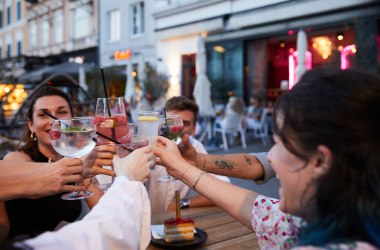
(64, 68)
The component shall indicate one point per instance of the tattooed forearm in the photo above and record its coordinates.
(223, 165)
(247, 159)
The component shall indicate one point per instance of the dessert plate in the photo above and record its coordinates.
(199, 237)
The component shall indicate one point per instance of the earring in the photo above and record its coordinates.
(33, 136)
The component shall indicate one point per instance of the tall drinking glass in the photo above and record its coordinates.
(147, 127)
(111, 120)
(74, 138)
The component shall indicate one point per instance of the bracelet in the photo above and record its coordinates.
(197, 180)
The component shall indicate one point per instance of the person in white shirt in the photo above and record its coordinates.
(125, 207)
(162, 194)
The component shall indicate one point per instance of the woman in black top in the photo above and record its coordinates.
(30, 217)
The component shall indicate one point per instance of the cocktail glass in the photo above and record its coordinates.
(111, 120)
(74, 138)
(124, 149)
(171, 127)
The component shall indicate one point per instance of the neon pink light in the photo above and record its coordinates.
(346, 51)
(292, 69)
(293, 63)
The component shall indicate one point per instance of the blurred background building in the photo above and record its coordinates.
(251, 46)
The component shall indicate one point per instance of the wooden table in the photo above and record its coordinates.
(224, 232)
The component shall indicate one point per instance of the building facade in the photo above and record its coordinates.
(252, 45)
(12, 38)
(57, 27)
(126, 34)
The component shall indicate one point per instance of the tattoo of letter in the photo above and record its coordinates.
(247, 159)
(223, 165)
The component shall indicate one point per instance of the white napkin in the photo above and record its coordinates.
(157, 231)
(121, 220)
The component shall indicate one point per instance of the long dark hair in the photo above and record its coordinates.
(341, 110)
(26, 143)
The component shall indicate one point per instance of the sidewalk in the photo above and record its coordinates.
(254, 145)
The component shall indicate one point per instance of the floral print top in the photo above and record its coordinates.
(274, 229)
(277, 230)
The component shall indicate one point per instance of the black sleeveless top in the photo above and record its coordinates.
(35, 216)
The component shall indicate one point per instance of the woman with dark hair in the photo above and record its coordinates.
(326, 156)
(29, 217)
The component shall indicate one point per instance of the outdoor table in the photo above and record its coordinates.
(223, 230)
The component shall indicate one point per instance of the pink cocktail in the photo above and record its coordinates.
(115, 127)
(124, 149)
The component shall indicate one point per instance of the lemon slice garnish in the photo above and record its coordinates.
(108, 124)
(148, 118)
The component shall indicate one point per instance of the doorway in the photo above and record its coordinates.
(189, 75)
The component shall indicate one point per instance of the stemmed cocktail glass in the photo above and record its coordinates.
(74, 138)
(171, 127)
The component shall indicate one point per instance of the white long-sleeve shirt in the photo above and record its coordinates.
(121, 220)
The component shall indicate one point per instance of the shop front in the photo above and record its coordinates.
(263, 60)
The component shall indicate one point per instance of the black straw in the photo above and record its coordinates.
(48, 114)
(105, 91)
(166, 122)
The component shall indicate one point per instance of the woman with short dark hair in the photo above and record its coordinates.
(326, 156)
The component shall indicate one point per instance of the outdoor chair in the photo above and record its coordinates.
(230, 125)
(262, 129)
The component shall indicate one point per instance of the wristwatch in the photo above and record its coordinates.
(185, 203)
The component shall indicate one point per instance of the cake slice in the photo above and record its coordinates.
(178, 230)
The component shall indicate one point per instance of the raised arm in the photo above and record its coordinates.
(245, 166)
(236, 201)
(33, 180)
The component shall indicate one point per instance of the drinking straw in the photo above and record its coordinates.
(48, 114)
(177, 206)
(107, 103)
(166, 122)
(105, 91)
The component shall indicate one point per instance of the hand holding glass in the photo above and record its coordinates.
(171, 127)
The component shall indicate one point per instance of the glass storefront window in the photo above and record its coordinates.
(225, 70)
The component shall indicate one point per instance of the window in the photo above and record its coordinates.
(138, 18)
(19, 48)
(18, 10)
(58, 26)
(33, 34)
(19, 42)
(44, 31)
(81, 25)
(9, 49)
(114, 25)
(1, 18)
(8, 15)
